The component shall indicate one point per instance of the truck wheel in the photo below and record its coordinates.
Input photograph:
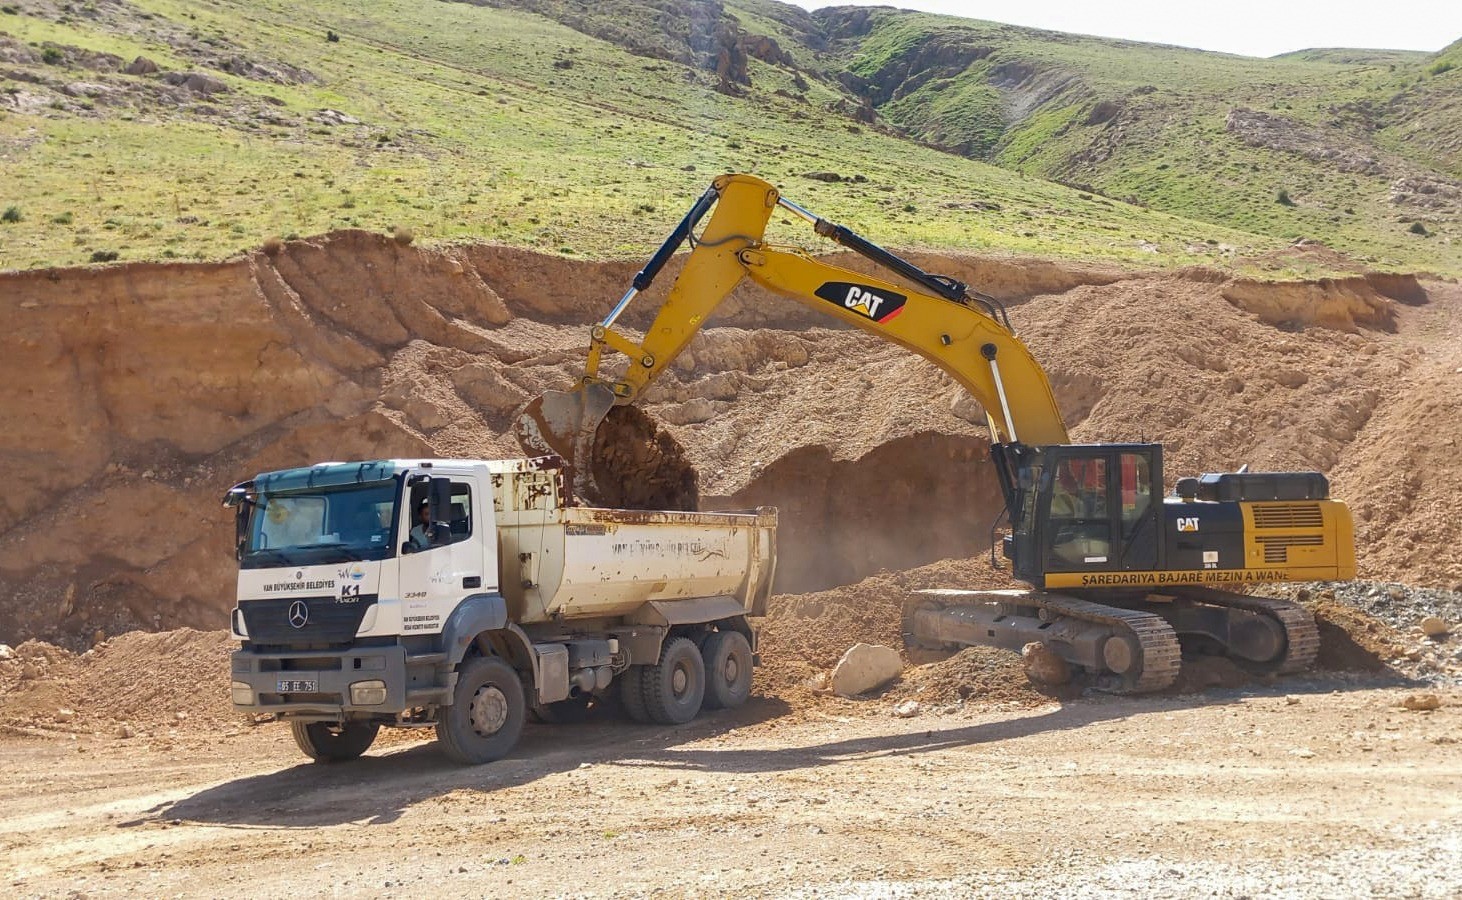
(487, 712)
(675, 686)
(632, 694)
(728, 669)
(326, 742)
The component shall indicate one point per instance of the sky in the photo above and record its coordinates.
(1247, 27)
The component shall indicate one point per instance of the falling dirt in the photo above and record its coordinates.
(638, 465)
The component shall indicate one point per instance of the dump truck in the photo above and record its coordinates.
(467, 595)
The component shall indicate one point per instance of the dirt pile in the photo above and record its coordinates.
(1351, 640)
(175, 381)
(975, 675)
(149, 682)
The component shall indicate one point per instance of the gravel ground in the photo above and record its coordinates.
(1437, 660)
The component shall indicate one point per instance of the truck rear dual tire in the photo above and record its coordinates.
(728, 663)
(632, 694)
(674, 687)
(486, 717)
(327, 742)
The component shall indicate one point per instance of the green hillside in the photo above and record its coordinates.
(1357, 148)
(585, 128)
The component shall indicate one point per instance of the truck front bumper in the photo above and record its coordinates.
(325, 684)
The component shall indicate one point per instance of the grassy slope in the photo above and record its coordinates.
(469, 130)
(1168, 146)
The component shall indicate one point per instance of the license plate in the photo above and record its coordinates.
(297, 687)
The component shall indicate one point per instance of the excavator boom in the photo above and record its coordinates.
(936, 317)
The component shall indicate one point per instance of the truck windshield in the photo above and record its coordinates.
(322, 525)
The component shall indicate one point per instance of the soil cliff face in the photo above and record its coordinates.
(136, 394)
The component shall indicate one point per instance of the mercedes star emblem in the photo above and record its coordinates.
(299, 614)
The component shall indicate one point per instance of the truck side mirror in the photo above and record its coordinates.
(241, 527)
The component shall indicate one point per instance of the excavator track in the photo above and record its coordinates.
(1128, 651)
(1301, 634)
(1161, 656)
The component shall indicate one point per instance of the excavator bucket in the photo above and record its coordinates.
(563, 424)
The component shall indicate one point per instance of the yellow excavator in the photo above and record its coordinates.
(1121, 578)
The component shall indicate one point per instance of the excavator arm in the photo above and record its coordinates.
(964, 334)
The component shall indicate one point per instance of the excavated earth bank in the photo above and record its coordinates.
(136, 394)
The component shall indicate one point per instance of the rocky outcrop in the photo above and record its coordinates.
(1271, 132)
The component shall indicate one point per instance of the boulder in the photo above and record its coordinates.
(1043, 665)
(141, 66)
(196, 82)
(865, 667)
(1421, 702)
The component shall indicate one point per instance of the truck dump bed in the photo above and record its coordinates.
(565, 562)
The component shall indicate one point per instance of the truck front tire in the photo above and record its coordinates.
(487, 712)
(728, 669)
(327, 743)
(676, 685)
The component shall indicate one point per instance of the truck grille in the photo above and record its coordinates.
(327, 620)
(1288, 515)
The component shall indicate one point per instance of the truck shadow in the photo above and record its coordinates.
(378, 788)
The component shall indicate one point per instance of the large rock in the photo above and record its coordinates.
(1043, 666)
(865, 667)
(141, 66)
(196, 82)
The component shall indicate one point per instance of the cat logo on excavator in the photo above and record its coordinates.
(878, 305)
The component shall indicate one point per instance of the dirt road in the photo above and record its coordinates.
(1316, 787)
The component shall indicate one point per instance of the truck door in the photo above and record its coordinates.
(435, 578)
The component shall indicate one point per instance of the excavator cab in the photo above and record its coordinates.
(1082, 508)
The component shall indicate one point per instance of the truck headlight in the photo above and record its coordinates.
(243, 694)
(368, 693)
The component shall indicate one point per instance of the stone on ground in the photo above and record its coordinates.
(1043, 665)
(865, 667)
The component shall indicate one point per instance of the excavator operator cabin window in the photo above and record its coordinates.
(1079, 530)
(1079, 490)
(1136, 490)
